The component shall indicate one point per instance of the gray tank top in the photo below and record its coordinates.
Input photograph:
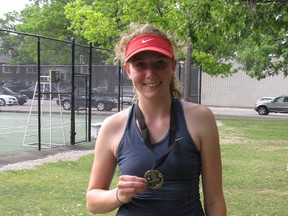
(179, 195)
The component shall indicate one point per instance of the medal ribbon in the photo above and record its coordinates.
(146, 136)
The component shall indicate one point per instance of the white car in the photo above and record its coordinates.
(8, 100)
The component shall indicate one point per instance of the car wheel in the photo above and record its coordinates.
(21, 102)
(108, 108)
(100, 106)
(2, 102)
(66, 105)
(262, 110)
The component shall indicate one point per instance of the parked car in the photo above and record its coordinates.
(277, 105)
(14, 86)
(127, 98)
(100, 101)
(8, 100)
(265, 99)
(126, 94)
(30, 92)
(21, 98)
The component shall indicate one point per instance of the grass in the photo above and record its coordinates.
(254, 158)
(255, 166)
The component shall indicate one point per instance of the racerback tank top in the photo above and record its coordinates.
(179, 195)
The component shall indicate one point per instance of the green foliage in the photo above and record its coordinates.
(47, 19)
(219, 31)
(254, 33)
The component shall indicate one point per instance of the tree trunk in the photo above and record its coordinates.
(187, 76)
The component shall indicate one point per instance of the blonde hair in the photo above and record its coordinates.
(136, 30)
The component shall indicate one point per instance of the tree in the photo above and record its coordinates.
(263, 50)
(45, 18)
(251, 32)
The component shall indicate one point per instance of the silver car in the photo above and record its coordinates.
(266, 99)
(278, 105)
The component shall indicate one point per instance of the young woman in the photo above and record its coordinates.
(161, 144)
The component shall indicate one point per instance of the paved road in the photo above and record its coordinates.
(48, 106)
(245, 113)
(218, 111)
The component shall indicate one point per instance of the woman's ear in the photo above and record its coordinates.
(127, 69)
(174, 63)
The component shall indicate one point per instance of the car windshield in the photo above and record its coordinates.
(9, 90)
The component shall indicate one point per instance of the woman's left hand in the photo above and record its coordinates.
(129, 186)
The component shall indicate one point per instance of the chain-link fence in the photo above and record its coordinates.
(54, 82)
(62, 88)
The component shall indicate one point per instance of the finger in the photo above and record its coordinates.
(137, 185)
(132, 178)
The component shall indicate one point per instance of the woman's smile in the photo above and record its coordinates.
(155, 84)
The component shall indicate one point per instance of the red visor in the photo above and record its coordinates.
(149, 42)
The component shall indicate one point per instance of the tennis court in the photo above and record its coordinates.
(16, 137)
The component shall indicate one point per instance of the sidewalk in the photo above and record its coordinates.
(34, 155)
(233, 111)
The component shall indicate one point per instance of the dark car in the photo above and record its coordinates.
(14, 86)
(101, 101)
(22, 98)
(278, 105)
(45, 90)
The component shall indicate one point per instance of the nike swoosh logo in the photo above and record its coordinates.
(147, 40)
(179, 139)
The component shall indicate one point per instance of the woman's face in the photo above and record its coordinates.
(151, 73)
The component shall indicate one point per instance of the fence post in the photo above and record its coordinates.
(120, 93)
(39, 92)
(90, 92)
(200, 84)
(73, 133)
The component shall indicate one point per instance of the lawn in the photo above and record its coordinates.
(255, 163)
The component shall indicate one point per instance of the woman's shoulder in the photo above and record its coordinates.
(112, 130)
(200, 122)
(117, 119)
(195, 110)
(198, 115)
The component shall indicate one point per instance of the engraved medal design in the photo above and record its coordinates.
(155, 179)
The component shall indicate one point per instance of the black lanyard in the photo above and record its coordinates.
(146, 136)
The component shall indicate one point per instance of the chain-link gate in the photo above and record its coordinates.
(81, 106)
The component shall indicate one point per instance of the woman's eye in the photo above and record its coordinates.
(140, 65)
(161, 64)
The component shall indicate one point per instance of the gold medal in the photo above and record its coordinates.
(155, 179)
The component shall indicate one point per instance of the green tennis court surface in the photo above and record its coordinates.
(55, 131)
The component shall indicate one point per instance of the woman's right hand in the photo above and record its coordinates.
(129, 186)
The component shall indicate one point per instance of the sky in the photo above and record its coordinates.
(11, 5)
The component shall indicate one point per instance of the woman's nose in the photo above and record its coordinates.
(151, 69)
